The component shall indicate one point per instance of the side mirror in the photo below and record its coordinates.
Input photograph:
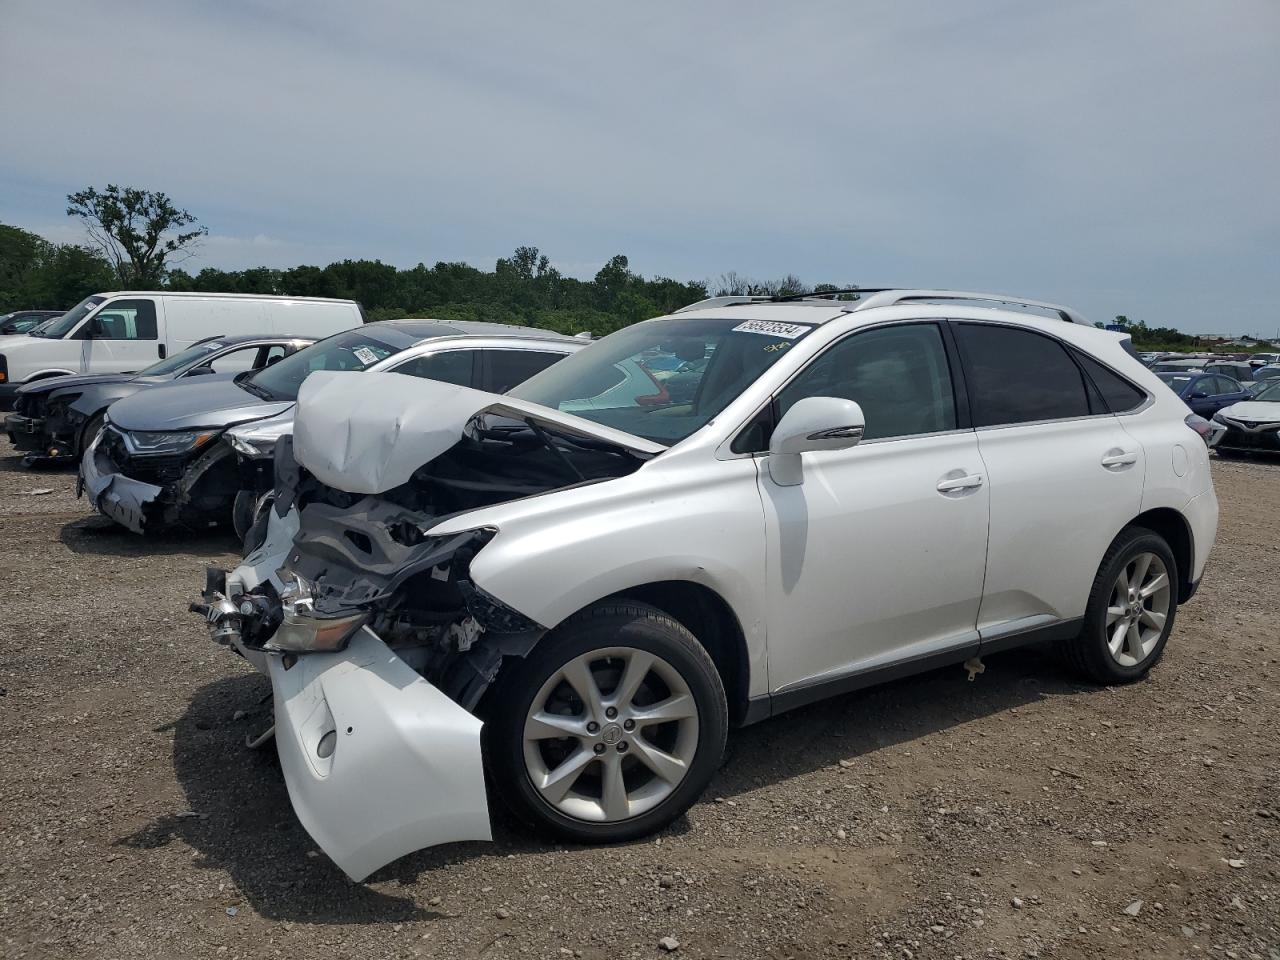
(201, 371)
(814, 423)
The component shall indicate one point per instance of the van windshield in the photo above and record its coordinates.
(59, 328)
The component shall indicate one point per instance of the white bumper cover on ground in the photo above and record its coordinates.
(403, 769)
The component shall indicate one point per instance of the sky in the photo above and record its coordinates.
(1121, 157)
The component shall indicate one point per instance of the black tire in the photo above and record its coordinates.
(1088, 653)
(606, 625)
(91, 429)
(243, 511)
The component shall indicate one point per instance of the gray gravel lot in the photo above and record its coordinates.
(1023, 814)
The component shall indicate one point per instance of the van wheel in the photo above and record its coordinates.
(1131, 610)
(611, 728)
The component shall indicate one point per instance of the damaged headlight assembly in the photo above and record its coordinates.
(301, 631)
(258, 439)
(156, 443)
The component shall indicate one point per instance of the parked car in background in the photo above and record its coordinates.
(1241, 371)
(1262, 359)
(1270, 372)
(201, 454)
(1251, 426)
(24, 321)
(582, 603)
(54, 418)
(1205, 393)
(1177, 366)
(124, 332)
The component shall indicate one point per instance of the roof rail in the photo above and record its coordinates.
(888, 298)
(722, 302)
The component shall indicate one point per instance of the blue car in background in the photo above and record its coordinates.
(1205, 393)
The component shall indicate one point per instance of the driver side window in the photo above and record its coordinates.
(899, 375)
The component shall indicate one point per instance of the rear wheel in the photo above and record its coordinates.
(1131, 610)
(610, 728)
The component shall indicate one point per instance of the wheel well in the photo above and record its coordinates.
(709, 618)
(1173, 527)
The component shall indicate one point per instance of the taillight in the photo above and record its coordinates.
(4, 369)
(1201, 426)
(654, 399)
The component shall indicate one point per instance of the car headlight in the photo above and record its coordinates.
(151, 443)
(301, 631)
(259, 438)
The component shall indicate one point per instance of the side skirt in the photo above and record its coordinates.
(770, 705)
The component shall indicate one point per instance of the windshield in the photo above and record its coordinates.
(1177, 382)
(60, 327)
(1271, 394)
(352, 350)
(662, 379)
(182, 358)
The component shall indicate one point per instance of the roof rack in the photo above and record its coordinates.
(886, 298)
(731, 301)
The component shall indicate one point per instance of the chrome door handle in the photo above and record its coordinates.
(1117, 459)
(953, 484)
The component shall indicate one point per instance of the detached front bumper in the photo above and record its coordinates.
(378, 762)
(126, 501)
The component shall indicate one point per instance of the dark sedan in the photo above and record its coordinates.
(1205, 393)
(54, 419)
(24, 321)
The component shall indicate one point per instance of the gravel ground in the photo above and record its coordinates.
(1023, 814)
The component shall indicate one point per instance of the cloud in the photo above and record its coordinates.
(1115, 156)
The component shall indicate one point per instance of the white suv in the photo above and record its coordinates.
(584, 603)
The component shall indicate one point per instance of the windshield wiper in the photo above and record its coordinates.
(246, 383)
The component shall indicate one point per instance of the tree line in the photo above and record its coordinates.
(139, 239)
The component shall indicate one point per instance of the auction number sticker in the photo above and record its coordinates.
(365, 355)
(771, 328)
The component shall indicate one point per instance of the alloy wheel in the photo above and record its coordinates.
(610, 735)
(1138, 609)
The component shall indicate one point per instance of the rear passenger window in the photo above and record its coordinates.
(508, 368)
(1119, 393)
(1018, 376)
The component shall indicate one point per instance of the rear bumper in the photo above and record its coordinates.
(1202, 516)
(378, 762)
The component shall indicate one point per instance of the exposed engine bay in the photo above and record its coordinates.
(370, 560)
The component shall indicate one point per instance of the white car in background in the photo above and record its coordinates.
(1251, 426)
(584, 602)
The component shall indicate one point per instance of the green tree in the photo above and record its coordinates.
(139, 231)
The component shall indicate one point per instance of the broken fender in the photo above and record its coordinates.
(378, 762)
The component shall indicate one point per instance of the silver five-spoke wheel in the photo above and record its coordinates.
(610, 735)
(1138, 609)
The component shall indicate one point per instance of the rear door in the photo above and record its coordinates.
(123, 336)
(1065, 477)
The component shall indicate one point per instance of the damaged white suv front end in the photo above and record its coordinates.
(349, 606)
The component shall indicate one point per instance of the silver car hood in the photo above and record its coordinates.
(1253, 411)
(368, 432)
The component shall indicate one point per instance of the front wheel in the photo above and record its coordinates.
(1131, 610)
(610, 728)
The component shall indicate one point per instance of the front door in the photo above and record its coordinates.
(877, 556)
(122, 337)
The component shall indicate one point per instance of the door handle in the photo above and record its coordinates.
(1118, 459)
(953, 484)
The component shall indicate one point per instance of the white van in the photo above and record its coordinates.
(127, 330)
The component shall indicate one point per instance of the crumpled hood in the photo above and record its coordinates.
(1253, 411)
(49, 384)
(209, 401)
(368, 432)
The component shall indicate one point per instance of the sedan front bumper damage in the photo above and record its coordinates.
(122, 499)
(377, 761)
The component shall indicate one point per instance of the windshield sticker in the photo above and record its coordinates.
(365, 355)
(771, 328)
